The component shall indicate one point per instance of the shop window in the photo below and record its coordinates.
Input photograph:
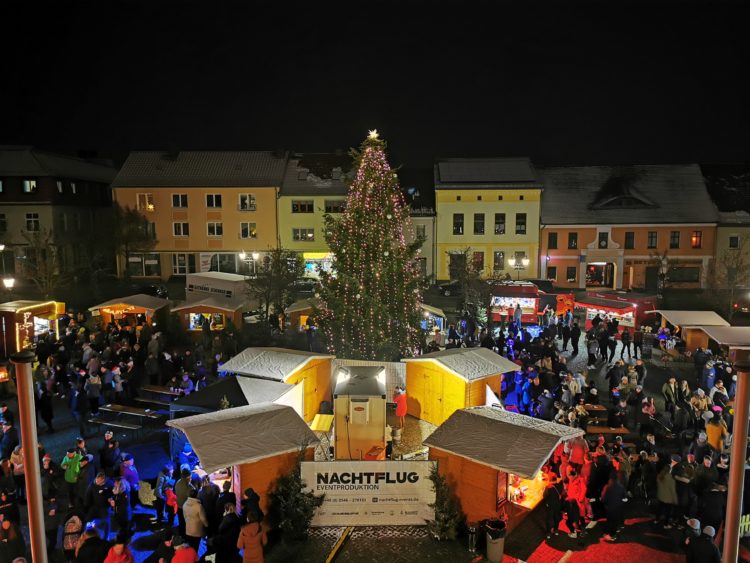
(500, 223)
(183, 264)
(247, 202)
(32, 222)
(144, 202)
(215, 229)
(213, 201)
(223, 262)
(552, 273)
(478, 223)
(571, 273)
(629, 240)
(302, 206)
(216, 321)
(572, 240)
(684, 275)
(734, 240)
(552, 240)
(303, 235)
(652, 239)
(498, 261)
(477, 261)
(696, 239)
(144, 265)
(520, 223)
(29, 186)
(3, 223)
(674, 239)
(335, 205)
(248, 230)
(179, 200)
(458, 223)
(181, 229)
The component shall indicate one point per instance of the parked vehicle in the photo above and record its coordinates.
(450, 289)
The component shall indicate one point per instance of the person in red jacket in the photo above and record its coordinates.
(119, 552)
(400, 399)
(183, 553)
(576, 499)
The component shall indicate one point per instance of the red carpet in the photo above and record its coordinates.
(622, 553)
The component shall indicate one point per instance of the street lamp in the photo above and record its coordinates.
(9, 283)
(519, 265)
(243, 255)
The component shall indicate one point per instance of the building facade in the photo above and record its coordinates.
(624, 227)
(47, 197)
(313, 186)
(423, 225)
(488, 212)
(211, 210)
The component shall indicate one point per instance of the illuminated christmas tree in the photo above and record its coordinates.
(370, 300)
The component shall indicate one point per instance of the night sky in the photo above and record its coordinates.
(564, 83)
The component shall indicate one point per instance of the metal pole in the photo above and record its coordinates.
(737, 465)
(32, 471)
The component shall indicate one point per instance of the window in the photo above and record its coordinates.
(183, 264)
(181, 229)
(479, 198)
(499, 198)
(603, 240)
(570, 273)
(302, 206)
(32, 222)
(3, 223)
(151, 230)
(552, 273)
(652, 239)
(248, 230)
(696, 239)
(1, 186)
(73, 187)
(247, 202)
(29, 186)
(552, 240)
(674, 239)
(629, 240)
(215, 229)
(477, 261)
(64, 219)
(520, 198)
(520, 223)
(213, 200)
(684, 275)
(478, 223)
(458, 223)
(498, 261)
(500, 223)
(146, 264)
(572, 240)
(458, 198)
(734, 241)
(145, 202)
(303, 234)
(335, 205)
(422, 232)
(179, 200)
(59, 187)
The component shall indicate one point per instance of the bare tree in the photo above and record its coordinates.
(731, 273)
(273, 283)
(131, 232)
(662, 262)
(41, 263)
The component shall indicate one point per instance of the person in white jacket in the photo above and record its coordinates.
(196, 520)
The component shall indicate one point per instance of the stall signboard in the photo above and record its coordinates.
(371, 493)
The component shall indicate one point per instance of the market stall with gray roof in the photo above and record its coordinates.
(269, 363)
(469, 363)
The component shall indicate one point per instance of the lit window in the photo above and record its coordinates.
(500, 223)
(213, 200)
(181, 229)
(302, 206)
(247, 202)
(179, 200)
(696, 239)
(145, 202)
(215, 229)
(248, 230)
(303, 235)
(29, 186)
(498, 260)
(458, 223)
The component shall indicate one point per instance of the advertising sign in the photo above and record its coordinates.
(371, 493)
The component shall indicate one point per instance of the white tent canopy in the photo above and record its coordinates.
(269, 363)
(688, 319)
(469, 363)
(244, 434)
(511, 442)
(302, 305)
(432, 310)
(222, 304)
(139, 300)
(737, 337)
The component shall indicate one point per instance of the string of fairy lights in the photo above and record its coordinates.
(370, 302)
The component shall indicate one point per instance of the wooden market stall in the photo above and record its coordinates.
(299, 312)
(734, 341)
(22, 322)
(218, 311)
(230, 392)
(492, 459)
(295, 367)
(440, 383)
(134, 310)
(256, 444)
(687, 325)
(628, 309)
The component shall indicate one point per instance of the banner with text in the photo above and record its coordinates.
(371, 493)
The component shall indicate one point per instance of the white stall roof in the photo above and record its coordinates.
(239, 391)
(244, 434)
(222, 304)
(511, 442)
(432, 310)
(138, 300)
(270, 363)
(469, 363)
(302, 305)
(692, 318)
(732, 336)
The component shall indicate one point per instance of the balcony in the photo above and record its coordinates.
(246, 207)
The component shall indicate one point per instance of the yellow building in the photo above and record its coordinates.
(490, 207)
(206, 207)
(313, 186)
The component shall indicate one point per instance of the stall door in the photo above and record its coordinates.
(311, 395)
(453, 396)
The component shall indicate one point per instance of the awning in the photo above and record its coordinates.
(504, 440)
(432, 310)
(737, 337)
(140, 300)
(302, 305)
(214, 303)
(269, 363)
(240, 391)
(604, 303)
(244, 434)
(469, 363)
(691, 318)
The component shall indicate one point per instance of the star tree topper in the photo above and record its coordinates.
(373, 134)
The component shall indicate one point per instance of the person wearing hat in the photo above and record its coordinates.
(684, 474)
(86, 476)
(692, 533)
(592, 394)
(50, 473)
(705, 475)
(716, 432)
(703, 549)
(96, 503)
(188, 456)
(250, 504)
(110, 456)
